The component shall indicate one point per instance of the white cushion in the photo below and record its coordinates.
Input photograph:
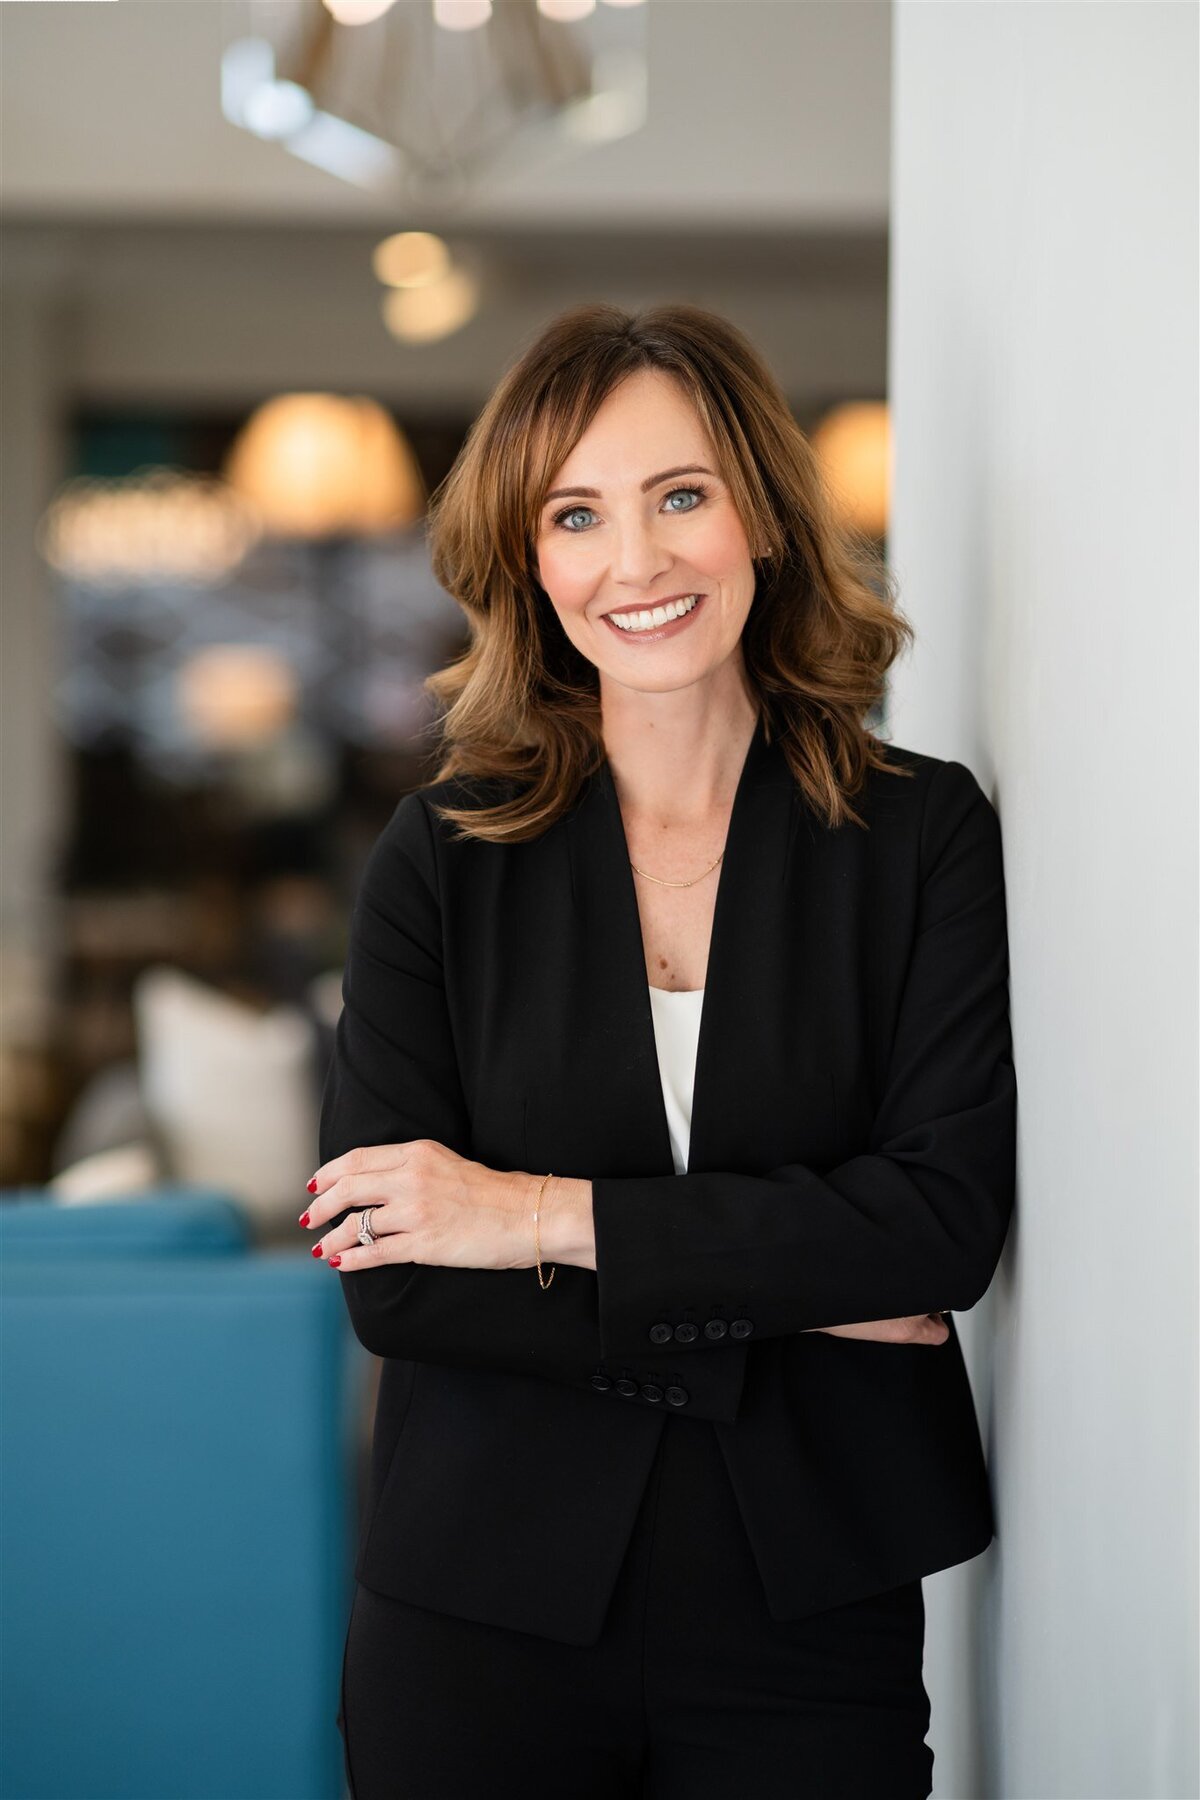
(231, 1091)
(121, 1173)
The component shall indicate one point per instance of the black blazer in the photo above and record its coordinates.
(852, 1157)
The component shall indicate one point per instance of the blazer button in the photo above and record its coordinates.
(651, 1391)
(716, 1328)
(677, 1396)
(687, 1333)
(660, 1334)
(627, 1387)
(740, 1328)
(601, 1383)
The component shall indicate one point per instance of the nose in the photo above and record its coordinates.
(640, 557)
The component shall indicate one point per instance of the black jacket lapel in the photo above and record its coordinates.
(607, 974)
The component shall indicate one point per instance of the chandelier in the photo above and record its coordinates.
(418, 101)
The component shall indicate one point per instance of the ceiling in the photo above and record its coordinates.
(770, 114)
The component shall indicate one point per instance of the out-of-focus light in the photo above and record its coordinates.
(854, 444)
(600, 118)
(158, 524)
(421, 315)
(357, 12)
(624, 2)
(316, 464)
(344, 150)
(252, 98)
(461, 15)
(617, 105)
(234, 696)
(275, 109)
(566, 11)
(410, 259)
(246, 65)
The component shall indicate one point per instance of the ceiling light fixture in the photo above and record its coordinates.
(358, 12)
(411, 259)
(420, 104)
(320, 465)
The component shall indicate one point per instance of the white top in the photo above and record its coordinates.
(676, 1034)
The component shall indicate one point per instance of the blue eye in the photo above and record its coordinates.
(698, 493)
(695, 491)
(560, 518)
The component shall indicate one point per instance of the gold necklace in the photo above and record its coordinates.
(662, 883)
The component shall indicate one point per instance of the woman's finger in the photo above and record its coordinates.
(346, 1256)
(387, 1220)
(366, 1188)
(363, 1159)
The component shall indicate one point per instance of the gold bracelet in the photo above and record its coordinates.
(537, 1237)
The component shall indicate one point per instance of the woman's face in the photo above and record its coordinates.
(637, 516)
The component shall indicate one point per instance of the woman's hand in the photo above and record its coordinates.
(431, 1206)
(921, 1328)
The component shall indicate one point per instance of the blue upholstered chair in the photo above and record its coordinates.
(180, 1420)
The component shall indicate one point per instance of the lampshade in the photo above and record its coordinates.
(318, 464)
(854, 444)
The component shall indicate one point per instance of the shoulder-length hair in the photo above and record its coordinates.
(521, 706)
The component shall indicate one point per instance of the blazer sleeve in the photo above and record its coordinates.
(914, 1224)
(394, 1077)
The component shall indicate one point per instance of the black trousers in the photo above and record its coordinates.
(693, 1689)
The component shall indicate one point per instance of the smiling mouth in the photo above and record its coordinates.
(654, 621)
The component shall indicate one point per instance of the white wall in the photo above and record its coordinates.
(1044, 382)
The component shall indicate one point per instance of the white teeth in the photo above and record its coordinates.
(661, 615)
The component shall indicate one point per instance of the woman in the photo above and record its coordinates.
(672, 1103)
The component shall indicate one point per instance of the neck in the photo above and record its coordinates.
(676, 758)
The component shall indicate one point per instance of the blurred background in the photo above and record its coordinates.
(261, 269)
(261, 262)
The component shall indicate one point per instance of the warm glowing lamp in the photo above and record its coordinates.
(315, 465)
(422, 315)
(461, 15)
(234, 696)
(158, 524)
(854, 444)
(358, 12)
(411, 259)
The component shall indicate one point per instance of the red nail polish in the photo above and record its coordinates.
(312, 1185)
(335, 1262)
(304, 1218)
(317, 1250)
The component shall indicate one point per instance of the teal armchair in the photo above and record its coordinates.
(181, 1416)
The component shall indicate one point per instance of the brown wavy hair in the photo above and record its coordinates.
(521, 706)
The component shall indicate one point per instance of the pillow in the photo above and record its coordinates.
(121, 1173)
(231, 1091)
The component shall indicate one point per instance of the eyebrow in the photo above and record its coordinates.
(651, 481)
